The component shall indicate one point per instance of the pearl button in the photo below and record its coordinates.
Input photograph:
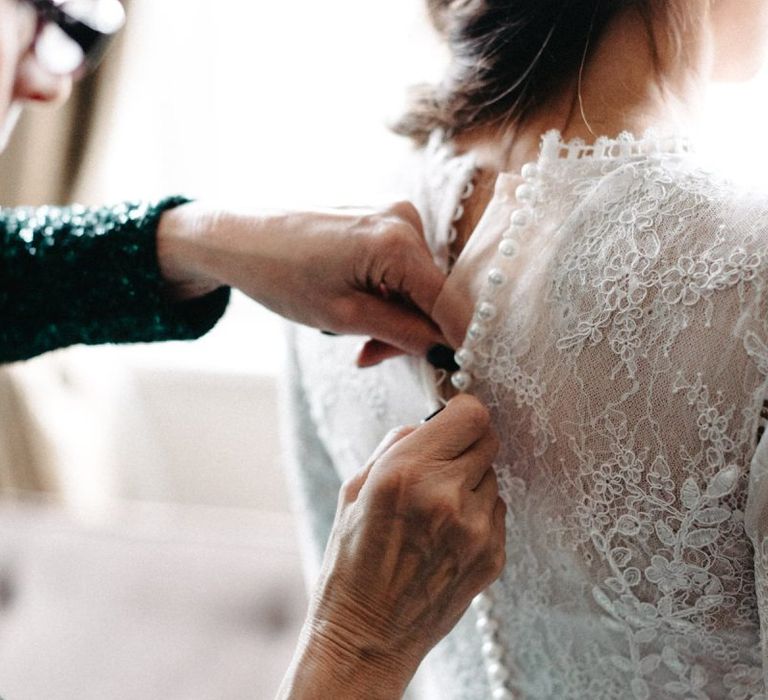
(476, 331)
(482, 603)
(462, 381)
(530, 171)
(492, 651)
(497, 673)
(485, 625)
(525, 193)
(464, 357)
(508, 248)
(496, 277)
(520, 218)
(502, 694)
(486, 311)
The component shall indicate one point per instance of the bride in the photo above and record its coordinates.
(608, 299)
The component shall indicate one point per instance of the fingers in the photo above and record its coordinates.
(394, 324)
(352, 486)
(421, 281)
(373, 352)
(490, 544)
(402, 260)
(396, 284)
(391, 438)
(406, 210)
(474, 465)
(498, 556)
(487, 490)
(464, 422)
(500, 532)
(454, 451)
(499, 518)
(452, 312)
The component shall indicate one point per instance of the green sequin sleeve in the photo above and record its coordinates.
(90, 275)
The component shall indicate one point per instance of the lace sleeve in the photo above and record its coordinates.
(314, 482)
(756, 522)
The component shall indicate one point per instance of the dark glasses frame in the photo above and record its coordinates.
(92, 42)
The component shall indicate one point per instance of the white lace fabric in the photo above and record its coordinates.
(625, 367)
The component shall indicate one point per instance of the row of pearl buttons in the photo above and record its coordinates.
(485, 312)
(493, 652)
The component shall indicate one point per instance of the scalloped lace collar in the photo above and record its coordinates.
(625, 145)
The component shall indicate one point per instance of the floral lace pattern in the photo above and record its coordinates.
(625, 375)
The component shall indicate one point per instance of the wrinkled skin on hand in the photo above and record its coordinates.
(418, 533)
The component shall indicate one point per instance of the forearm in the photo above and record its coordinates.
(201, 247)
(79, 275)
(351, 271)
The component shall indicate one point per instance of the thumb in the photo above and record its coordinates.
(400, 326)
(390, 440)
(356, 483)
(421, 280)
(453, 313)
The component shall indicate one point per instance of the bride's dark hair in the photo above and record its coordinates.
(509, 57)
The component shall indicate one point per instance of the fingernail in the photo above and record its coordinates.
(441, 357)
(366, 362)
(432, 415)
(331, 333)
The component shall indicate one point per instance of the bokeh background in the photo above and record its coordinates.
(146, 542)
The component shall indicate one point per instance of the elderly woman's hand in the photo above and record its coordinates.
(418, 534)
(366, 272)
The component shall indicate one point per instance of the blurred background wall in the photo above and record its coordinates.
(146, 545)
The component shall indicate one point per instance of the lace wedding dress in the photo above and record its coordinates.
(617, 303)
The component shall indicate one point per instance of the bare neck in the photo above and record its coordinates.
(622, 87)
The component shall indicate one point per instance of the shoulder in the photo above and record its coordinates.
(673, 230)
(694, 205)
(693, 184)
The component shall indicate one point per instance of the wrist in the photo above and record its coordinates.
(326, 666)
(184, 251)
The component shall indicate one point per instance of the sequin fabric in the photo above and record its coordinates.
(79, 275)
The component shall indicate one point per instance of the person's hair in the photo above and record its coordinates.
(509, 57)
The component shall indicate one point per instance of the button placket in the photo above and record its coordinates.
(486, 311)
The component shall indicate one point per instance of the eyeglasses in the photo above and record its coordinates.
(73, 34)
